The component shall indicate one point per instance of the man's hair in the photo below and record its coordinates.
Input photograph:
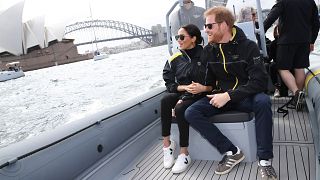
(222, 14)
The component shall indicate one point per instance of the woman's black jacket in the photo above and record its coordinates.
(183, 68)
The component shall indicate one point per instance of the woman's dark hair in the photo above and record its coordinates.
(193, 30)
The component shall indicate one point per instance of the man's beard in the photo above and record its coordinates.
(217, 37)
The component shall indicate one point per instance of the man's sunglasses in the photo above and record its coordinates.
(210, 25)
(181, 37)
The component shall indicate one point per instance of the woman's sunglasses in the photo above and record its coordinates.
(210, 25)
(181, 37)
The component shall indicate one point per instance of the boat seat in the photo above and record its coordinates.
(232, 117)
(239, 127)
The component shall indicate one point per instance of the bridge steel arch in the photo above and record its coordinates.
(135, 31)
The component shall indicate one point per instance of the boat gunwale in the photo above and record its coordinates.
(20, 150)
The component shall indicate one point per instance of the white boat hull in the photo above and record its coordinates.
(7, 75)
(100, 56)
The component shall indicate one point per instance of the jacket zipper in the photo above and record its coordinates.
(225, 67)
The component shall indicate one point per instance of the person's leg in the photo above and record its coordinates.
(289, 80)
(197, 116)
(292, 56)
(260, 104)
(184, 160)
(183, 125)
(300, 78)
(263, 116)
(285, 58)
(273, 72)
(167, 103)
(301, 61)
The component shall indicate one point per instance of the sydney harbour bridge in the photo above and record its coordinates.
(96, 31)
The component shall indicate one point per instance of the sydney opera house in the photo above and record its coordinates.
(32, 43)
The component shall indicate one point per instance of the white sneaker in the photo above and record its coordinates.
(168, 152)
(276, 93)
(290, 93)
(181, 164)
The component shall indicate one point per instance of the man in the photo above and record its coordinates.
(298, 30)
(187, 14)
(237, 68)
(247, 14)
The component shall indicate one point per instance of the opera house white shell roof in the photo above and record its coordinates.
(16, 37)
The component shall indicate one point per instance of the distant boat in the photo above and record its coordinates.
(100, 55)
(13, 72)
(97, 55)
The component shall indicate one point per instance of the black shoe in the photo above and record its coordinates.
(297, 101)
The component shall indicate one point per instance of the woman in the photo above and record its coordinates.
(184, 76)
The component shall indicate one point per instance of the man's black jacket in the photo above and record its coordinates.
(236, 67)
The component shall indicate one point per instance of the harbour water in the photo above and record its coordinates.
(47, 98)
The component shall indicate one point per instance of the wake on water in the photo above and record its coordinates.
(47, 98)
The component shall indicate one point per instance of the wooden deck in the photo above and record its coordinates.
(294, 155)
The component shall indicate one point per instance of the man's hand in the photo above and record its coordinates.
(219, 100)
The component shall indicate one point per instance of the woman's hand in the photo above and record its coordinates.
(195, 88)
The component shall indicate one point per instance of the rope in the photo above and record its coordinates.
(285, 111)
